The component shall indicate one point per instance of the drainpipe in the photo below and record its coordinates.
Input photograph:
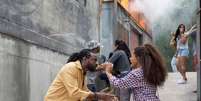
(115, 20)
(129, 35)
(98, 17)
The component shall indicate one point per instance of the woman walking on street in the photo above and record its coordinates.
(181, 38)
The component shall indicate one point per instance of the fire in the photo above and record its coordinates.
(125, 3)
(136, 14)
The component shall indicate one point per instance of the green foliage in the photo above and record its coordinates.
(162, 43)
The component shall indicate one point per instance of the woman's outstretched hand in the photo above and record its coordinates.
(107, 67)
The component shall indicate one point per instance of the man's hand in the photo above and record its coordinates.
(99, 67)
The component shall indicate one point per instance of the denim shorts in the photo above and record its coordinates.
(183, 52)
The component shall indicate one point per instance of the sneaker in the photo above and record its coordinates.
(181, 81)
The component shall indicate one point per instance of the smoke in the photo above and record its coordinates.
(165, 15)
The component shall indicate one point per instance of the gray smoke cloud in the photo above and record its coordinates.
(165, 15)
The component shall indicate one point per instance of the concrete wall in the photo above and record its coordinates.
(60, 25)
(36, 38)
(26, 70)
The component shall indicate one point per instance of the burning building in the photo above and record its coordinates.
(124, 23)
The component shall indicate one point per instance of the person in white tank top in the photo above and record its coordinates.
(181, 37)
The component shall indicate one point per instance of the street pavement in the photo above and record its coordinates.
(171, 91)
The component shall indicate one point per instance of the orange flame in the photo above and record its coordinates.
(138, 16)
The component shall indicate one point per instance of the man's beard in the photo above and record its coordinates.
(91, 68)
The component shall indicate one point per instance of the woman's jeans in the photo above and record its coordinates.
(123, 94)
